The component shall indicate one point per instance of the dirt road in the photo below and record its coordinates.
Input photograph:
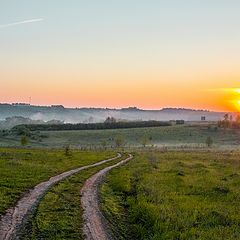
(94, 223)
(15, 217)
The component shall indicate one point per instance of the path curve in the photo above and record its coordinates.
(94, 222)
(14, 218)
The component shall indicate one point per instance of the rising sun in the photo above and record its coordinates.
(237, 90)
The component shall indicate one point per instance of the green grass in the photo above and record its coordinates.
(188, 135)
(22, 169)
(59, 214)
(175, 195)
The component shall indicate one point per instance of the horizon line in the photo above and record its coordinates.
(111, 108)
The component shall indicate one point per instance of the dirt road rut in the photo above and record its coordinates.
(15, 217)
(94, 227)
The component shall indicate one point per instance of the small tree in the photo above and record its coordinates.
(24, 140)
(209, 142)
(67, 150)
(238, 120)
(226, 117)
(119, 141)
(110, 120)
(144, 140)
(226, 121)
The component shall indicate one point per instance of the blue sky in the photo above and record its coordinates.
(81, 42)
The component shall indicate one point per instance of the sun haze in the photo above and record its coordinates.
(149, 54)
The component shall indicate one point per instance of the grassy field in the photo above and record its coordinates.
(175, 195)
(158, 195)
(177, 136)
(21, 169)
(59, 214)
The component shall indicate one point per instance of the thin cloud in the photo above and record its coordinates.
(21, 22)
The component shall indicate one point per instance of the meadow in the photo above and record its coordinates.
(22, 169)
(175, 188)
(174, 195)
(174, 137)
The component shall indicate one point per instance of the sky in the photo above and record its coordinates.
(150, 54)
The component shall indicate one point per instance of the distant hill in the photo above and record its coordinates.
(92, 115)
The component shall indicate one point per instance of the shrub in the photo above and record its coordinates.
(24, 140)
(209, 142)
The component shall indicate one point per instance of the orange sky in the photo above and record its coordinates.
(148, 91)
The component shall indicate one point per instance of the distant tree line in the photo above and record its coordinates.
(92, 126)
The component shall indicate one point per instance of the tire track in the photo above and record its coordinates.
(94, 227)
(15, 217)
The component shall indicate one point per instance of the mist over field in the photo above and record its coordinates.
(41, 114)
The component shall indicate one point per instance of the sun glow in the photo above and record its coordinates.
(237, 90)
(237, 98)
(229, 98)
(232, 95)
